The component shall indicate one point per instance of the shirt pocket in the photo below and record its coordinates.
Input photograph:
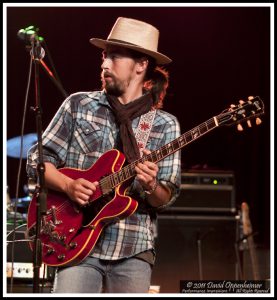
(88, 136)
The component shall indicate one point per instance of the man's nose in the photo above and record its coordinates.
(106, 63)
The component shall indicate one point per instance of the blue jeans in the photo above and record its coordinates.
(130, 275)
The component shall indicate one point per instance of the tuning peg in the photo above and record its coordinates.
(239, 127)
(258, 121)
(241, 101)
(232, 106)
(249, 123)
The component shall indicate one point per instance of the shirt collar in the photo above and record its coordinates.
(101, 97)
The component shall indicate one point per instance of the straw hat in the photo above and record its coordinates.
(136, 35)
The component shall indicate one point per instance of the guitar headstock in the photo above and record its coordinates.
(246, 224)
(244, 111)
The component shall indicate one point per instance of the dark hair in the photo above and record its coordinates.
(156, 79)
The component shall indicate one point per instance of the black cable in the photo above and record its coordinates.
(19, 169)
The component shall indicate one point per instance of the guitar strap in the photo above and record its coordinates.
(143, 130)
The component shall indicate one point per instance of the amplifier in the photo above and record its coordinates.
(24, 270)
(22, 258)
(206, 192)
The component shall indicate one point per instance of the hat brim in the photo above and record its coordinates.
(160, 58)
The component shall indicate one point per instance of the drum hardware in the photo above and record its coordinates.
(14, 145)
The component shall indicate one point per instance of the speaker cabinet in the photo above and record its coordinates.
(195, 247)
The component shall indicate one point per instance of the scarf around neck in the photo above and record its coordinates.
(124, 114)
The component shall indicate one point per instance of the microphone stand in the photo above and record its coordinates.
(42, 191)
(37, 54)
(52, 77)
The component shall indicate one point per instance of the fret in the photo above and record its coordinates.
(195, 133)
(158, 154)
(109, 183)
(164, 151)
(155, 156)
(111, 178)
(203, 128)
(121, 175)
(142, 159)
(211, 124)
(116, 179)
(182, 140)
(128, 171)
(188, 137)
(175, 145)
(169, 147)
(133, 173)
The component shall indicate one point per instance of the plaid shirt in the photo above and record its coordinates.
(81, 131)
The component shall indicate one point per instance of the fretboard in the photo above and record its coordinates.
(126, 173)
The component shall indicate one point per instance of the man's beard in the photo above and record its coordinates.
(112, 86)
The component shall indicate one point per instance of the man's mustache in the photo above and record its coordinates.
(107, 74)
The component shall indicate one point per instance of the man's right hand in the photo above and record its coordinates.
(80, 190)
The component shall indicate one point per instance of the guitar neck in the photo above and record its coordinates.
(155, 156)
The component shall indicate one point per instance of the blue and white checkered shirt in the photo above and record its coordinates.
(81, 131)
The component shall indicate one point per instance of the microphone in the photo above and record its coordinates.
(29, 34)
(39, 53)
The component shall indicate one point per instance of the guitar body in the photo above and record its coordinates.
(69, 233)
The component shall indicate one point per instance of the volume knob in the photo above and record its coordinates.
(61, 257)
(50, 250)
(73, 245)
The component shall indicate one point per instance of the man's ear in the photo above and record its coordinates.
(141, 65)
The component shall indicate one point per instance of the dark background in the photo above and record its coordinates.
(220, 55)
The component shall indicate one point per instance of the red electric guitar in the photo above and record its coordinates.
(69, 233)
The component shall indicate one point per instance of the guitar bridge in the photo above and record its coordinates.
(52, 212)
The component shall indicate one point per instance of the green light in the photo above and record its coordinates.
(30, 32)
(30, 27)
(215, 181)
